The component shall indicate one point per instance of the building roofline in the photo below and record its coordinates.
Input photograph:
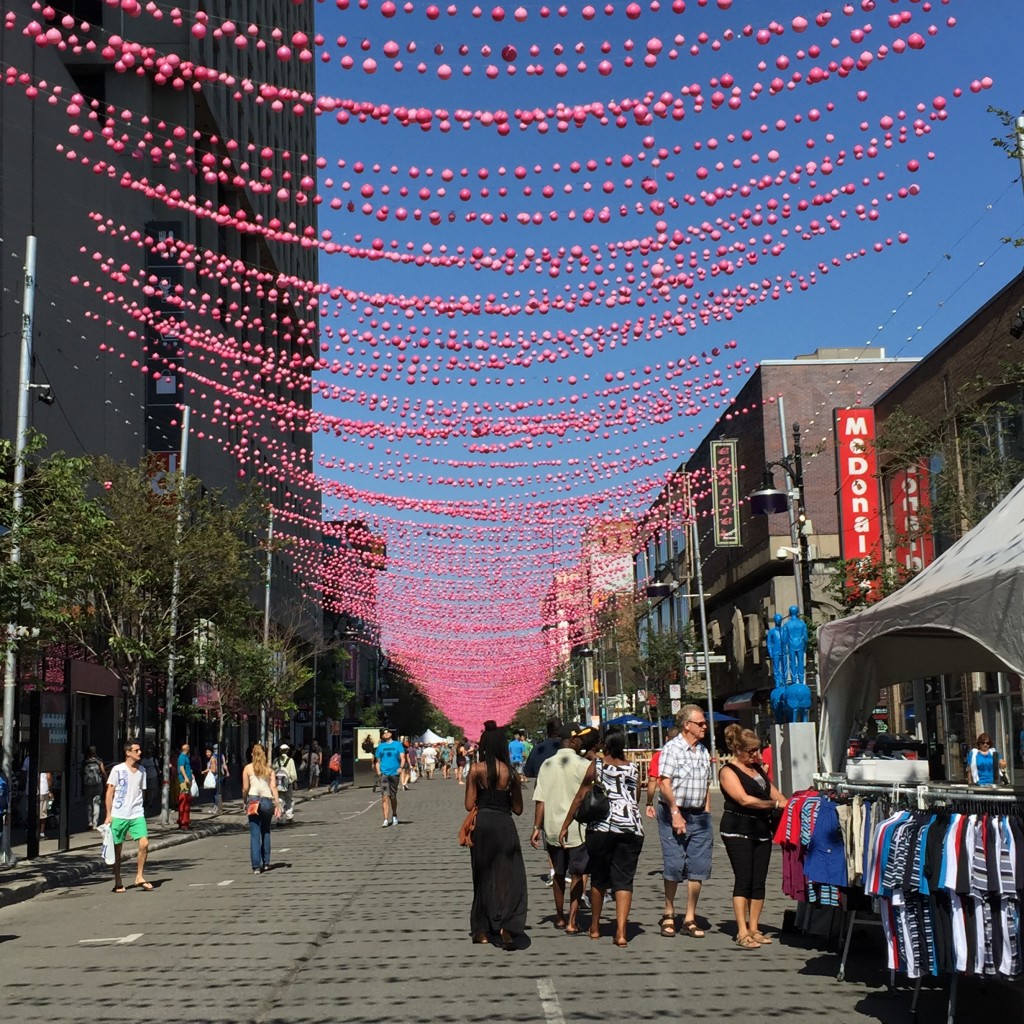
(811, 361)
(934, 353)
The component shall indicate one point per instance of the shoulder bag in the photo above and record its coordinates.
(595, 805)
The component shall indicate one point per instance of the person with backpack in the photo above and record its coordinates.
(94, 775)
(286, 776)
(334, 767)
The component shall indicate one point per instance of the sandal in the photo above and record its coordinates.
(761, 938)
(693, 930)
(748, 942)
(667, 927)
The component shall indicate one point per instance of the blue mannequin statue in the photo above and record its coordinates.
(777, 654)
(794, 640)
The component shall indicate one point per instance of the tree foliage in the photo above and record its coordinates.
(974, 450)
(1010, 143)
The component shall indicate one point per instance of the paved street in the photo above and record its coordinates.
(358, 923)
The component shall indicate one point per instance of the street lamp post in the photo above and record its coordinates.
(769, 500)
(17, 501)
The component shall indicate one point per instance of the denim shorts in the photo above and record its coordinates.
(686, 856)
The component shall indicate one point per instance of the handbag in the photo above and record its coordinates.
(194, 788)
(595, 806)
(466, 830)
(259, 805)
(210, 782)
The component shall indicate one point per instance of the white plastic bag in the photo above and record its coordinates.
(195, 788)
(413, 776)
(107, 849)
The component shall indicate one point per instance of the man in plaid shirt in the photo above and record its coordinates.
(684, 818)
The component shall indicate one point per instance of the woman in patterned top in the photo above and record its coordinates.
(613, 845)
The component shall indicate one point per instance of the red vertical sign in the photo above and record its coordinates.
(860, 519)
(911, 508)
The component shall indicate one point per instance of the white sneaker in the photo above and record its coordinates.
(585, 901)
(394, 820)
(385, 824)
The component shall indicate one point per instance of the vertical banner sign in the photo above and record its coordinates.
(910, 501)
(860, 518)
(725, 486)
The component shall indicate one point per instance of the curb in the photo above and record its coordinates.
(58, 870)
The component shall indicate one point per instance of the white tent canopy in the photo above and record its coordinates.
(430, 737)
(963, 613)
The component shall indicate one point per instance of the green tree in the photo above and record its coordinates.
(59, 527)
(973, 449)
(1010, 143)
(120, 611)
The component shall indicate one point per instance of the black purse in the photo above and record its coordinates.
(595, 806)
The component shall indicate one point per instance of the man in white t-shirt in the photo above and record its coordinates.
(126, 812)
(558, 781)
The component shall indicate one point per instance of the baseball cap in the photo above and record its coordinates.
(284, 746)
(566, 732)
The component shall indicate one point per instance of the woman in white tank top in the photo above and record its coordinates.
(262, 805)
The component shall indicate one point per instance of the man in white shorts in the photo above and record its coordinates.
(126, 813)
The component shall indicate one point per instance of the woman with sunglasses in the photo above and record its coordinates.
(746, 830)
(984, 762)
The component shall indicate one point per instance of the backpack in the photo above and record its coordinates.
(91, 774)
(335, 762)
(281, 776)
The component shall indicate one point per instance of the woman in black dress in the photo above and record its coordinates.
(499, 874)
(746, 831)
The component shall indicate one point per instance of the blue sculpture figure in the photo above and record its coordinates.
(777, 654)
(794, 640)
(777, 651)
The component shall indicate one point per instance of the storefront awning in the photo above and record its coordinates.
(740, 701)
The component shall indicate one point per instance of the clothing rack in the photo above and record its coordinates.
(923, 796)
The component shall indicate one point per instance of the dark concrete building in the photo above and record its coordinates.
(132, 148)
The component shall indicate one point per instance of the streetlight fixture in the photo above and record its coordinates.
(770, 500)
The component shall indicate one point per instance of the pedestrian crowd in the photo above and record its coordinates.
(588, 820)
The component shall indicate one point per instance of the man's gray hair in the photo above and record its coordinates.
(685, 712)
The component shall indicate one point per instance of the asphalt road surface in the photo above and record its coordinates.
(361, 924)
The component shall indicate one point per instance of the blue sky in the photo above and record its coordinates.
(906, 298)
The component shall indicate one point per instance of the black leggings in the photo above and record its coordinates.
(749, 859)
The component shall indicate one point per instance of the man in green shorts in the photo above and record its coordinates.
(126, 814)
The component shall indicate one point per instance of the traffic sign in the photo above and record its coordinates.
(653, 700)
(696, 658)
(675, 690)
(676, 706)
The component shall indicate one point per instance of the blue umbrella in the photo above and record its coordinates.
(630, 722)
(670, 720)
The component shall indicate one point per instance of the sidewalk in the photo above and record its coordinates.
(53, 869)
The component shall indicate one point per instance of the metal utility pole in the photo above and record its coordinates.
(266, 619)
(699, 572)
(17, 503)
(172, 654)
(801, 568)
